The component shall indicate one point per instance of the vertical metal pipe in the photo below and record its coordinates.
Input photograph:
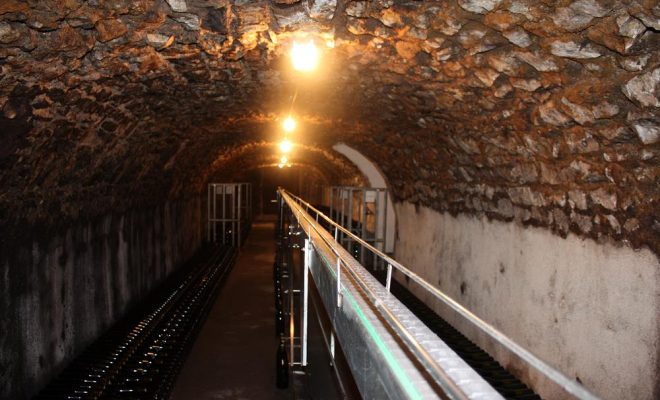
(376, 226)
(338, 281)
(332, 343)
(385, 222)
(388, 283)
(281, 212)
(349, 241)
(234, 213)
(292, 327)
(215, 213)
(308, 258)
(341, 216)
(238, 230)
(224, 212)
(364, 223)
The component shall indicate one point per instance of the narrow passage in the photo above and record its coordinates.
(234, 355)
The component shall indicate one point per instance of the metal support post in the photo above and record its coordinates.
(349, 221)
(215, 215)
(376, 227)
(384, 211)
(208, 213)
(363, 234)
(238, 221)
(388, 283)
(338, 280)
(224, 215)
(332, 343)
(341, 216)
(282, 221)
(249, 202)
(308, 259)
(292, 327)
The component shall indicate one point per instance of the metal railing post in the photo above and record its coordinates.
(388, 283)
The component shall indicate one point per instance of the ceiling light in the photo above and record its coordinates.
(289, 124)
(304, 56)
(286, 146)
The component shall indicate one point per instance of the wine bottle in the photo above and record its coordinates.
(282, 366)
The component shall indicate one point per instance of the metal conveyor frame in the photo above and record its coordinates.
(361, 285)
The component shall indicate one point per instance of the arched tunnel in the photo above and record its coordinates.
(518, 141)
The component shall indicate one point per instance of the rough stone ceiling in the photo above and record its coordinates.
(545, 112)
(333, 167)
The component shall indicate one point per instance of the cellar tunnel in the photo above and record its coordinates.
(518, 140)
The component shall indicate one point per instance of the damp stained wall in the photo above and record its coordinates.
(589, 309)
(59, 294)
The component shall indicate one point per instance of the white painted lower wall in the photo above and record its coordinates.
(591, 310)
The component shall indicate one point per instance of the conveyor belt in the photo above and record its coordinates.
(504, 382)
(142, 354)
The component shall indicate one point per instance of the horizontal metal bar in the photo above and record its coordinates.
(358, 187)
(536, 363)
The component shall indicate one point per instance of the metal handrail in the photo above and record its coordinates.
(536, 363)
(451, 390)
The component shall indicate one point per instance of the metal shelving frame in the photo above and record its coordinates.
(351, 207)
(229, 206)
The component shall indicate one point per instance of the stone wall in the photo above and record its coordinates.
(59, 294)
(544, 112)
(541, 113)
(589, 309)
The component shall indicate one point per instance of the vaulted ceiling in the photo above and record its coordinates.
(543, 112)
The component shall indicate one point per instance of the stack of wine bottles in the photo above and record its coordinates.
(141, 355)
(282, 366)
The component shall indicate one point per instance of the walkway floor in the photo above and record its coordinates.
(234, 355)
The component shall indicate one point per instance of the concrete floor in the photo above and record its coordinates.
(234, 355)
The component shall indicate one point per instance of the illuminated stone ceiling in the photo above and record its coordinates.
(544, 112)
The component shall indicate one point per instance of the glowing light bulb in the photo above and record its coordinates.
(286, 146)
(280, 165)
(289, 124)
(304, 56)
(283, 160)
